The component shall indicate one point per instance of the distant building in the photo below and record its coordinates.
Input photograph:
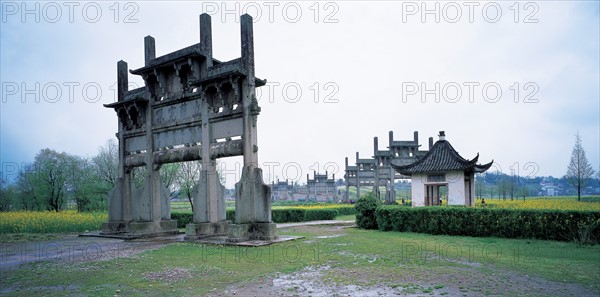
(548, 188)
(282, 191)
(321, 188)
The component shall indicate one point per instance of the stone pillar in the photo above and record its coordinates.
(376, 178)
(119, 203)
(153, 183)
(209, 201)
(416, 138)
(347, 181)
(392, 189)
(249, 102)
(392, 172)
(149, 49)
(252, 209)
(252, 196)
(206, 36)
(357, 177)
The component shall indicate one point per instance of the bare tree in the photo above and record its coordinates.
(107, 162)
(492, 192)
(479, 186)
(189, 174)
(579, 170)
(503, 187)
(511, 187)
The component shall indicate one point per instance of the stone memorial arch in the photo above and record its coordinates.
(192, 107)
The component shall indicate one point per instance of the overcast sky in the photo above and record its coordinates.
(375, 66)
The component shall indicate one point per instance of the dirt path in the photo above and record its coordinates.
(471, 282)
(72, 248)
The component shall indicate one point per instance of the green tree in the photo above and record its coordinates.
(5, 194)
(26, 198)
(49, 179)
(579, 170)
(86, 187)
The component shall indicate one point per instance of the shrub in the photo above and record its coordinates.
(183, 218)
(365, 211)
(320, 214)
(279, 215)
(578, 226)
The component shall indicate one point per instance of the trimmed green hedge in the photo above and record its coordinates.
(346, 210)
(580, 226)
(183, 218)
(278, 215)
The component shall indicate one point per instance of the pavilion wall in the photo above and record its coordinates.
(456, 187)
(418, 189)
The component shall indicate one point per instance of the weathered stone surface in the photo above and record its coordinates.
(190, 108)
(115, 202)
(252, 231)
(115, 227)
(252, 208)
(195, 231)
(208, 220)
(252, 198)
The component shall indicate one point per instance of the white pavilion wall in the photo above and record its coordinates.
(456, 187)
(418, 189)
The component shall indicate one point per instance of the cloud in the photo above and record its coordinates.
(361, 61)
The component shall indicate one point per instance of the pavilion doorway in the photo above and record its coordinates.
(434, 192)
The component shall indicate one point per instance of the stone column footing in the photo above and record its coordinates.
(195, 231)
(252, 231)
(164, 227)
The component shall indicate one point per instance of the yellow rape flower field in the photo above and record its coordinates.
(315, 206)
(71, 221)
(547, 203)
(50, 222)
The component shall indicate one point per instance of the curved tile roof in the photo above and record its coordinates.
(442, 157)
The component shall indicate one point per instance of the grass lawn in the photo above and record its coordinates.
(346, 218)
(403, 263)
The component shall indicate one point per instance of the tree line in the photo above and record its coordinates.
(56, 181)
(579, 175)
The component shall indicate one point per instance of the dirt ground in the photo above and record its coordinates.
(469, 279)
(310, 282)
(73, 248)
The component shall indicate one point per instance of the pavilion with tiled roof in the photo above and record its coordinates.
(443, 166)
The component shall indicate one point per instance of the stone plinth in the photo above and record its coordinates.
(252, 208)
(195, 231)
(252, 231)
(140, 229)
(114, 227)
